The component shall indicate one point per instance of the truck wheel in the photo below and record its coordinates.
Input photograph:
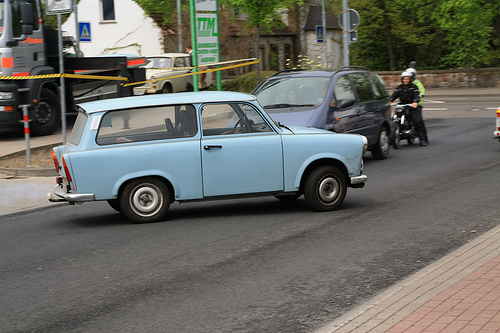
(381, 149)
(47, 114)
(145, 200)
(325, 188)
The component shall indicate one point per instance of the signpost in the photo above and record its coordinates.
(205, 36)
(348, 21)
(59, 7)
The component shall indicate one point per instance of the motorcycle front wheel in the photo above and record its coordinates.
(397, 136)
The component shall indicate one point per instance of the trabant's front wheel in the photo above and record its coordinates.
(325, 188)
(145, 200)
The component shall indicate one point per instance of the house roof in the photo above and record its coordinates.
(314, 18)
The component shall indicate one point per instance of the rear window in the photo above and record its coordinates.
(78, 128)
(147, 124)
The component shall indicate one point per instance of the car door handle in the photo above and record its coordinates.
(208, 147)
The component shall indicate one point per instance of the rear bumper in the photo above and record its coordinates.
(496, 135)
(59, 195)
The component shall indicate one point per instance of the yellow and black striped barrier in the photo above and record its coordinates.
(254, 61)
(250, 61)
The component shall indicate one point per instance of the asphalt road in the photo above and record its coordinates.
(255, 265)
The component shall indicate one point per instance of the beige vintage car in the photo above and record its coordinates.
(164, 70)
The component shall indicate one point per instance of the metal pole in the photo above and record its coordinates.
(62, 88)
(77, 26)
(179, 24)
(323, 16)
(26, 122)
(346, 33)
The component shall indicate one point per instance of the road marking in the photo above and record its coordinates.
(435, 109)
(433, 101)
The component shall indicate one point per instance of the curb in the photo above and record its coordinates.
(29, 172)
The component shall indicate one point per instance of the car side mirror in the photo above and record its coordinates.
(346, 102)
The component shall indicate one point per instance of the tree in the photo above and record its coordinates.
(263, 14)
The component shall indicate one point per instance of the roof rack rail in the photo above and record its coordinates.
(353, 67)
(289, 70)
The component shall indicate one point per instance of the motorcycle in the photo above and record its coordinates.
(403, 125)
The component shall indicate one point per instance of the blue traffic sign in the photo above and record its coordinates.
(85, 35)
(319, 33)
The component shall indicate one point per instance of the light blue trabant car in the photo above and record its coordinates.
(142, 153)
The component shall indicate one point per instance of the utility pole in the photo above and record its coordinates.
(346, 32)
(323, 17)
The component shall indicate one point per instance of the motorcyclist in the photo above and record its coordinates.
(408, 93)
(421, 89)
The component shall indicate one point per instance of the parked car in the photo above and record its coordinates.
(165, 69)
(496, 133)
(347, 100)
(142, 153)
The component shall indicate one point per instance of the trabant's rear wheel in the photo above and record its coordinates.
(145, 200)
(325, 188)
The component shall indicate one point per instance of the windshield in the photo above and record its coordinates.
(293, 91)
(158, 62)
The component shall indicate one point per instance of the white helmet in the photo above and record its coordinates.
(407, 74)
(413, 71)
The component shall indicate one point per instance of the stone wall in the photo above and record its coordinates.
(459, 78)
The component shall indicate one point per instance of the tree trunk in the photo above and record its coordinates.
(257, 65)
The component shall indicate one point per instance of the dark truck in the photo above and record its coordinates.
(27, 48)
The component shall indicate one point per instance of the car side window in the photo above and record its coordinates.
(343, 91)
(378, 86)
(232, 118)
(363, 87)
(146, 124)
(180, 62)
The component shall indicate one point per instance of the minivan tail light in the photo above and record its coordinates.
(66, 170)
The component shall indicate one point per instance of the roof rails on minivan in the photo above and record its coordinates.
(345, 68)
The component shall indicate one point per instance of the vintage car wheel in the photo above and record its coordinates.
(381, 149)
(167, 89)
(325, 188)
(145, 200)
(115, 204)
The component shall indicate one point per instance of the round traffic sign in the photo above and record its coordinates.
(352, 17)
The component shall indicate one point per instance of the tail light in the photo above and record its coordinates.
(498, 113)
(56, 162)
(66, 170)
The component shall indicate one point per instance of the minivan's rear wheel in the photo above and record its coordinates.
(325, 188)
(145, 200)
(381, 149)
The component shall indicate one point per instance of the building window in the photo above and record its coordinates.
(108, 10)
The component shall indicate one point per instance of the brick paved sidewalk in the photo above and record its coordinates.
(459, 293)
(471, 305)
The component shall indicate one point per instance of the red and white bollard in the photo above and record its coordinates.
(26, 122)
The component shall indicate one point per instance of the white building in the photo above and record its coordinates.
(116, 27)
